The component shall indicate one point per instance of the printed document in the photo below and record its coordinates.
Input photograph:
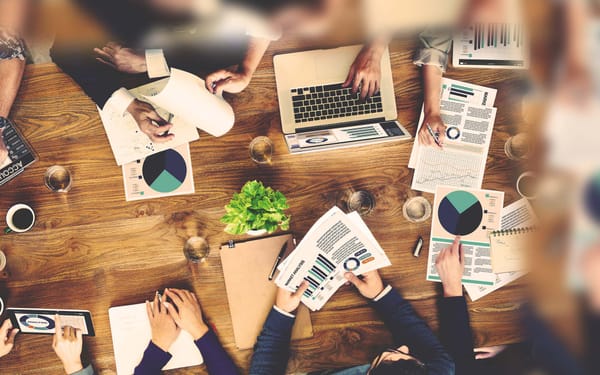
(467, 111)
(517, 215)
(470, 214)
(337, 243)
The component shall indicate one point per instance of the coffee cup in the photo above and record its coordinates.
(20, 218)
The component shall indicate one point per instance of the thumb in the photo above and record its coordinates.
(300, 291)
(349, 79)
(221, 86)
(358, 283)
(11, 337)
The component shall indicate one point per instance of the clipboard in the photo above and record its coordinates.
(246, 267)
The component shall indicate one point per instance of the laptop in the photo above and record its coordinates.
(317, 113)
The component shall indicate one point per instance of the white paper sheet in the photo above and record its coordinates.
(476, 210)
(517, 215)
(186, 96)
(336, 244)
(131, 334)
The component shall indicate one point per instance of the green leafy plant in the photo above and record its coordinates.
(256, 207)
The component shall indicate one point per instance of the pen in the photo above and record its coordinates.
(279, 256)
(435, 136)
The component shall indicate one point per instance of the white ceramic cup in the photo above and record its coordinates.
(1, 306)
(10, 214)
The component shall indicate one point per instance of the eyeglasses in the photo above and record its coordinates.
(381, 358)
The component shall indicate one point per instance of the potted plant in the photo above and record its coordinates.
(256, 210)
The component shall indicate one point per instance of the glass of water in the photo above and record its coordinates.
(360, 201)
(58, 179)
(261, 150)
(196, 249)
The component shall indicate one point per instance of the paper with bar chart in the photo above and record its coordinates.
(455, 95)
(494, 45)
(467, 112)
(337, 243)
(470, 214)
(164, 174)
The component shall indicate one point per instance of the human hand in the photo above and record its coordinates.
(164, 329)
(289, 301)
(7, 337)
(3, 149)
(450, 265)
(146, 116)
(122, 59)
(188, 314)
(227, 80)
(68, 344)
(365, 71)
(370, 286)
(437, 126)
(489, 351)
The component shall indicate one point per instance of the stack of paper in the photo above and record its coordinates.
(518, 215)
(337, 243)
(469, 114)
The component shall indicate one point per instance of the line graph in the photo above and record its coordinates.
(449, 168)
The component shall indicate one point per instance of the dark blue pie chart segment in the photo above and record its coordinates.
(592, 197)
(460, 213)
(164, 172)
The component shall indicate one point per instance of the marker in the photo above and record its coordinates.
(435, 136)
(418, 247)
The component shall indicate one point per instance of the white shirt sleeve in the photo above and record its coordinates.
(157, 64)
(284, 312)
(383, 293)
(120, 100)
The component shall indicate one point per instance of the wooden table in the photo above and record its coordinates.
(92, 250)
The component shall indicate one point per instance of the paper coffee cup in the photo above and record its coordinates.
(16, 223)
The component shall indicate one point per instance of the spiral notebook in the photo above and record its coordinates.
(508, 249)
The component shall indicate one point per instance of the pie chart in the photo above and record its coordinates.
(592, 197)
(460, 213)
(164, 172)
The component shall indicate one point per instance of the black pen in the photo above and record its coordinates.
(279, 257)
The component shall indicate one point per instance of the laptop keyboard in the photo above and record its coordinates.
(331, 102)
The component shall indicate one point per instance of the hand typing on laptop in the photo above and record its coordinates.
(365, 73)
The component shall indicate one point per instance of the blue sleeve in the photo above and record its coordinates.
(410, 330)
(456, 334)
(153, 361)
(217, 361)
(272, 349)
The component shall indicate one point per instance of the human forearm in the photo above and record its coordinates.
(11, 73)
(432, 83)
(271, 351)
(256, 50)
(215, 357)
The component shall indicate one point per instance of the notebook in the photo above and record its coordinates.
(246, 267)
(508, 249)
(131, 334)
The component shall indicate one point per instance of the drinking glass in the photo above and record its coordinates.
(196, 249)
(360, 201)
(58, 179)
(518, 147)
(416, 209)
(261, 150)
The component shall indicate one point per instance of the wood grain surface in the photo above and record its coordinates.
(92, 250)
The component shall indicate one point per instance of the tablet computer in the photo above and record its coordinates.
(41, 321)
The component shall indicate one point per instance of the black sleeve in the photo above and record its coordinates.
(456, 334)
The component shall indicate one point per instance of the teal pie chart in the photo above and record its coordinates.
(164, 172)
(460, 213)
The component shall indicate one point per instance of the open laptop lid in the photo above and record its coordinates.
(321, 67)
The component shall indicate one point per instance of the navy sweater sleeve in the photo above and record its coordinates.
(272, 349)
(456, 334)
(410, 330)
(153, 361)
(217, 361)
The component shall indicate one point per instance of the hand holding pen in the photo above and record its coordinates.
(432, 131)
